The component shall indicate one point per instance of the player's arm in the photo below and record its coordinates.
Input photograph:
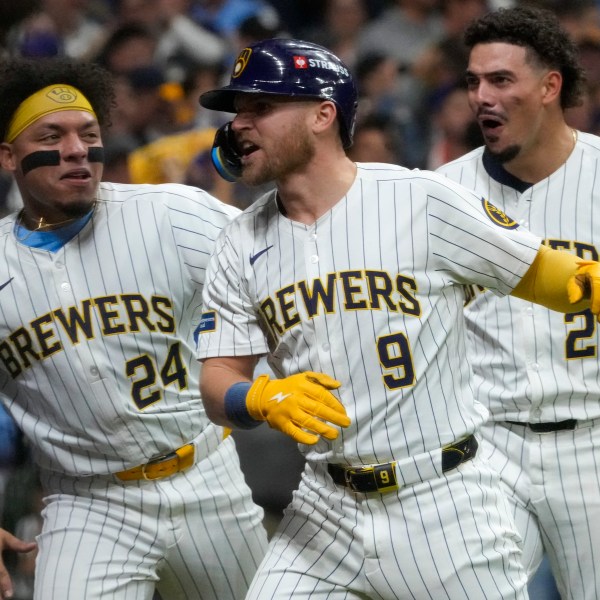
(10, 542)
(560, 281)
(301, 406)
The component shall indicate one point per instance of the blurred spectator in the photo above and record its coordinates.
(382, 94)
(254, 28)
(143, 112)
(12, 13)
(403, 31)
(168, 158)
(116, 159)
(180, 42)
(197, 80)
(379, 85)
(340, 28)
(587, 116)
(375, 141)
(454, 128)
(126, 47)
(224, 17)
(457, 14)
(578, 17)
(57, 27)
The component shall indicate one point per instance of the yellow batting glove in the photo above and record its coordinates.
(298, 403)
(586, 284)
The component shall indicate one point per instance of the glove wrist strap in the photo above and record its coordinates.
(236, 410)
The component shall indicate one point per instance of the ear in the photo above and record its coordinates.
(7, 157)
(325, 116)
(551, 87)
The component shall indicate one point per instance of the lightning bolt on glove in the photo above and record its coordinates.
(300, 406)
(585, 283)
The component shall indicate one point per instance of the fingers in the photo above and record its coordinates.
(329, 409)
(10, 542)
(586, 283)
(299, 435)
(6, 589)
(323, 380)
(308, 430)
(575, 289)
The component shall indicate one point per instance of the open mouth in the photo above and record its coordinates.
(247, 148)
(490, 125)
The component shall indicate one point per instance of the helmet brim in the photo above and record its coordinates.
(222, 99)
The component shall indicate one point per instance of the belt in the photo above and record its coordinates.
(569, 424)
(162, 466)
(382, 478)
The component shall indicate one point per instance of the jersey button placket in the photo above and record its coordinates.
(313, 271)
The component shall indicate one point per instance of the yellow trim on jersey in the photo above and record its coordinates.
(50, 99)
(545, 282)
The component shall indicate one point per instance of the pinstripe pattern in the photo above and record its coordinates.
(120, 540)
(97, 364)
(534, 365)
(392, 259)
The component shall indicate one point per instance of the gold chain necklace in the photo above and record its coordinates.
(41, 224)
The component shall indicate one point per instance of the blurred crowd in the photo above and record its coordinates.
(407, 57)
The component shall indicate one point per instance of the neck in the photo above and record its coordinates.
(544, 157)
(309, 195)
(36, 223)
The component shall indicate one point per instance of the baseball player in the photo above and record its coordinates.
(351, 278)
(100, 292)
(537, 371)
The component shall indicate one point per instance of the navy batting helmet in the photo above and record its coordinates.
(288, 67)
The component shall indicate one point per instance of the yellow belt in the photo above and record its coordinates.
(163, 466)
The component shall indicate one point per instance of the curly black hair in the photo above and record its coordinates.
(539, 31)
(20, 78)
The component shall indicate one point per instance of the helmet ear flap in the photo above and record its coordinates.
(225, 154)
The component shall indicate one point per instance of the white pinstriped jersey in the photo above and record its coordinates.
(92, 362)
(371, 294)
(544, 365)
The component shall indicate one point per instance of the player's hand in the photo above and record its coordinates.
(298, 403)
(586, 284)
(10, 542)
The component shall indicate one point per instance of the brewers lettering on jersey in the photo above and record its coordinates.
(100, 293)
(535, 370)
(351, 279)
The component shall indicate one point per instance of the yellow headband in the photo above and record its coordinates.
(51, 99)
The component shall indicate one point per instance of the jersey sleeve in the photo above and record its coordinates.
(475, 241)
(229, 324)
(197, 219)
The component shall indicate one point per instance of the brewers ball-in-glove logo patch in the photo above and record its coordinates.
(62, 95)
(497, 216)
(241, 62)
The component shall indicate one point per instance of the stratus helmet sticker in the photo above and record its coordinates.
(241, 62)
(497, 216)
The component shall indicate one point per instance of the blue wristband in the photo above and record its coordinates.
(235, 406)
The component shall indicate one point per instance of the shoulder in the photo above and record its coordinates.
(431, 182)
(379, 171)
(167, 197)
(466, 161)
(7, 223)
(588, 142)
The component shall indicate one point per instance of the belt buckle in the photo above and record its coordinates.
(350, 472)
(383, 478)
(155, 461)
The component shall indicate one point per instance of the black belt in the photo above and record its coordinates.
(382, 478)
(569, 424)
